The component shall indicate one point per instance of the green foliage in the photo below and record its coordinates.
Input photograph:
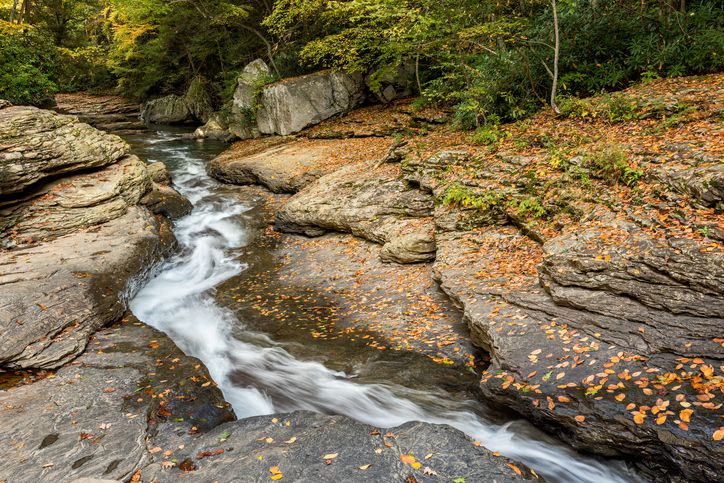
(530, 207)
(611, 108)
(26, 65)
(461, 196)
(489, 135)
(610, 164)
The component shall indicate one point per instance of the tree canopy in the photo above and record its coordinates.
(488, 60)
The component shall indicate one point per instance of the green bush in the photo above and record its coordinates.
(28, 62)
(610, 164)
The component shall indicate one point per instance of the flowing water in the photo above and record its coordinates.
(181, 300)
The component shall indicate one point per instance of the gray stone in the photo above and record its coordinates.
(96, 418)
(290, 105)
(300, 441)
(705, 184)
(392, 82)
(167, 110)
(36, 145)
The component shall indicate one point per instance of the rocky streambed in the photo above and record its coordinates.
(356, 354)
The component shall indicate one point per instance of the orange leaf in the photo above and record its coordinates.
(718, 434)
(580, 418)
(516, 469)
(685, 414)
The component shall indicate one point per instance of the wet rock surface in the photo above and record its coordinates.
(171, 109)
(309, 447)
(97, 417)
(368, 202)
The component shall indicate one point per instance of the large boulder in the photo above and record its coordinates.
(217, 127)
(242, 111)
(199, 100)
(171, 109)
(36, 145)
(290, 105)
(107, 113)
(372, 203)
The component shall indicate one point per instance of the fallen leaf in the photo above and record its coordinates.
(685, 415)
(291, 440)
(365, 467)
(429, 471)
(580, 418)
(718, 434)
(516, 469)
(330, 456)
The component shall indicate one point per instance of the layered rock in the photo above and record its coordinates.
(367, 202)
(37, 145)
(77, 241)
(602, 352)
(107, 113)
(290, 105)
(68, 204)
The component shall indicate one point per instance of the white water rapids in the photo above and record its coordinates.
(179, 301)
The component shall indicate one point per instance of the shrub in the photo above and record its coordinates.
(28, 62)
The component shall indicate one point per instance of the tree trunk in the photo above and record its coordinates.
(13, 11)
(556, 53)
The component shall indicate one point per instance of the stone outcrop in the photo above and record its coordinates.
(76, 233)
(67, 204)
(215, 128)
(290, 105)
(367, 202)
(37, 145)
(56, 294)
(167, 110)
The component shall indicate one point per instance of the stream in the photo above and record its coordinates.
(262, 373)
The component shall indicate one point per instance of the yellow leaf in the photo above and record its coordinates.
(428, 456)
(407, 459)
(330, 456)
(620, 397)
(269, 440)
(291, 440)
(276, 477)
(274, 470)
(638, 418)
(364, 467)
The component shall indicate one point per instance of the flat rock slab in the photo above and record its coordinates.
(96, 417)
(288, 166)
(309, 447)
(57, 294)
(369, 202)
(36, 144)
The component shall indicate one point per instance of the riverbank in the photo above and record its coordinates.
(585, 252)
